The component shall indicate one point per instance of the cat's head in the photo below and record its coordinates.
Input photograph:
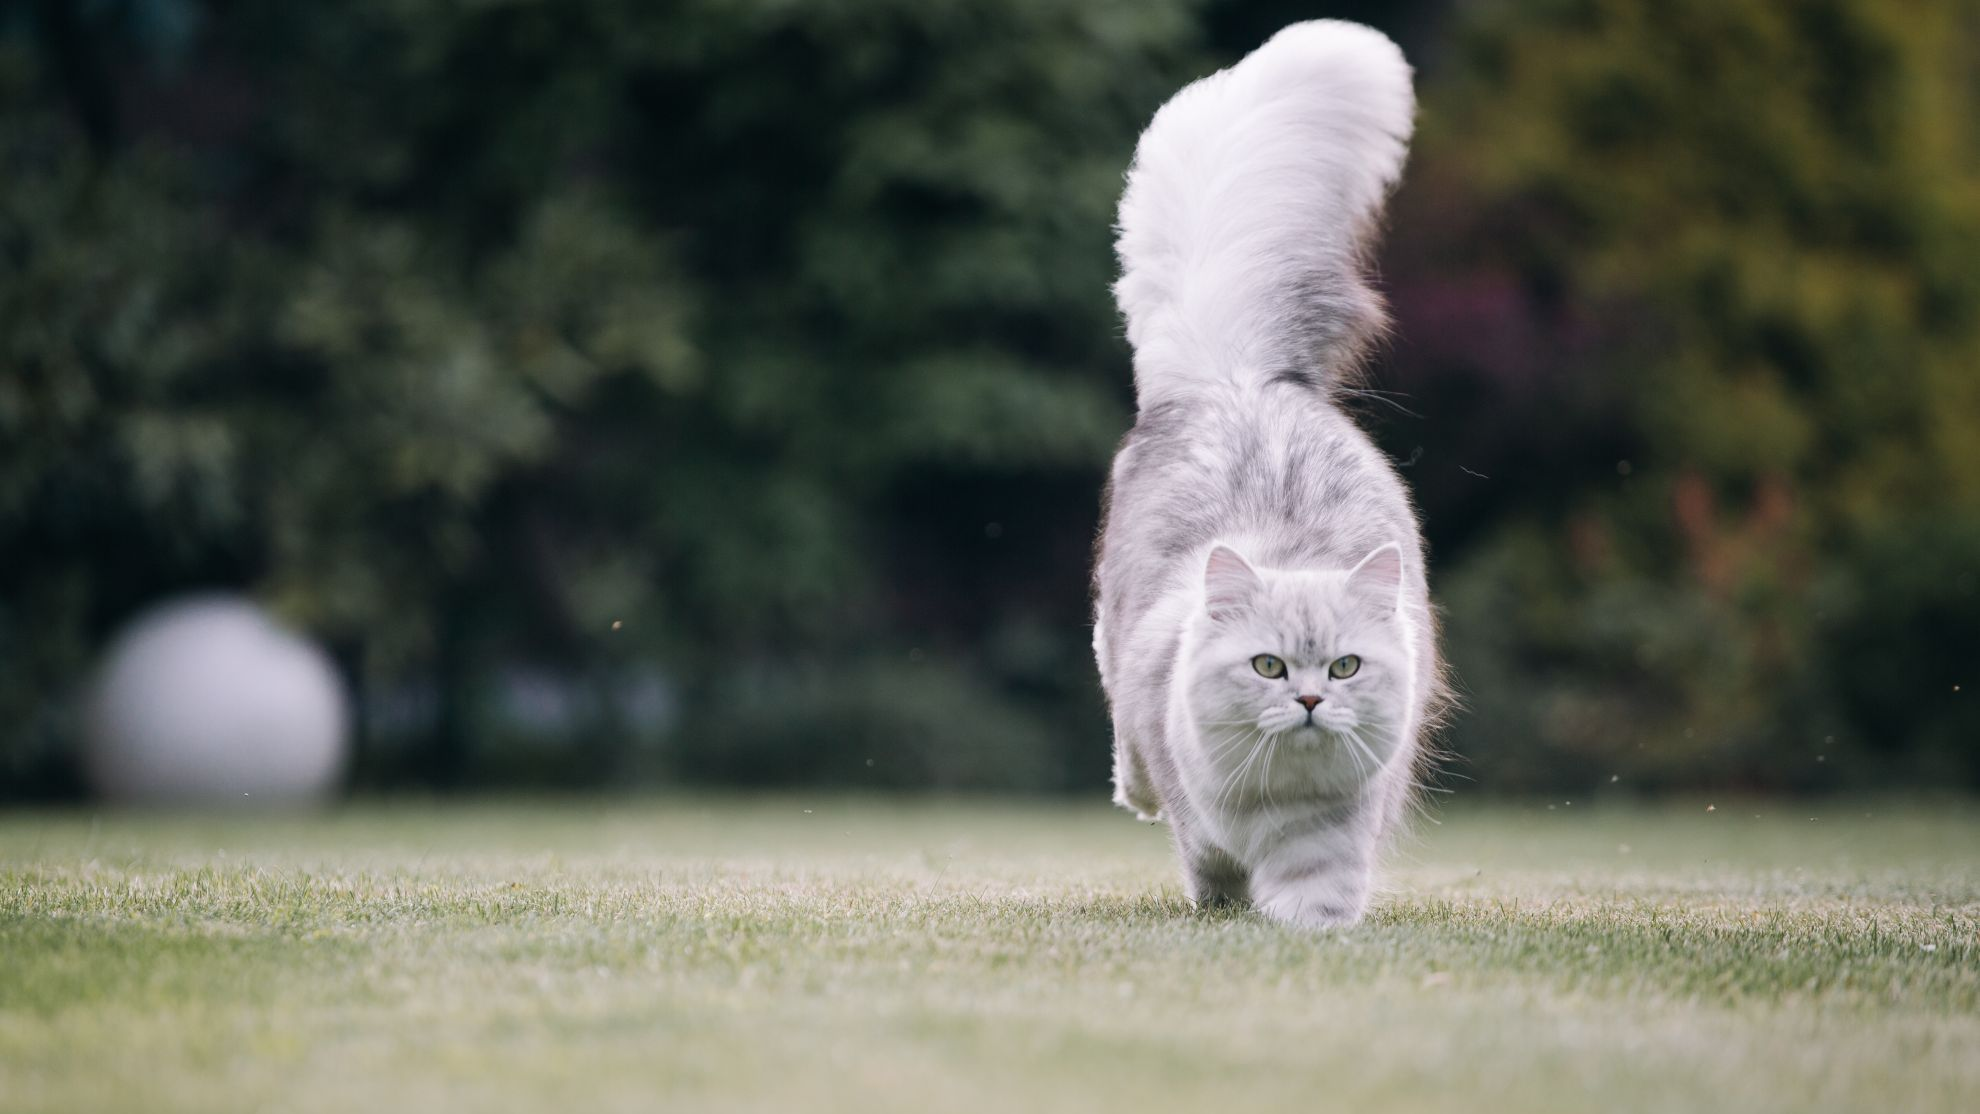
(1315, 659)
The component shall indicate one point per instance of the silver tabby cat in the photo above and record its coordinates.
(1263, 628)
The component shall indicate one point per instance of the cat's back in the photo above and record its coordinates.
(1277, 466)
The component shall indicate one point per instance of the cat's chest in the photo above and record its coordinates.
(1246, 801)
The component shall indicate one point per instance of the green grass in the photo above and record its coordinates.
(803, 954)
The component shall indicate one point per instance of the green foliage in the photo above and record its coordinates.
(1784, 203)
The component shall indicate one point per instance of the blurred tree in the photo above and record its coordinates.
(1769, 213)
(778, 335)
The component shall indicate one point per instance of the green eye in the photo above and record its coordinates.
(1344, 667)
(1269, 667)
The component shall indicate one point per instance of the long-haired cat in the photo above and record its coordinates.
(1263, 628)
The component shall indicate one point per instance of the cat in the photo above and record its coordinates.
(1262, 623)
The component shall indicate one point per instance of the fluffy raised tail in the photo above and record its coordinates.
(1248, 208)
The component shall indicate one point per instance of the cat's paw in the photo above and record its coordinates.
(1313, 909)
(1216, 882)
(1217, 902)
(1146, 809)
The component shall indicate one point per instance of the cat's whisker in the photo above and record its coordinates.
(1235, 783)
(1236, 740)
(1345, 735)
(1381, 397)
(1362, 745)
(1230, 741)
(1266, 777)
(1225, 788)
(1353, 753)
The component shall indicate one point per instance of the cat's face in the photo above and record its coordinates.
(1314, 661)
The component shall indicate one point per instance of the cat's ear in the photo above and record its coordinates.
(1229, 584)
(1377, 580)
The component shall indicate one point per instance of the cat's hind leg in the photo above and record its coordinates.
(1134, 790)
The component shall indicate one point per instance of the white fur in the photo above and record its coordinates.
(1246, 513)
(1253, 188)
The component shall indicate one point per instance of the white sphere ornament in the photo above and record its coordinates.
(206, 700)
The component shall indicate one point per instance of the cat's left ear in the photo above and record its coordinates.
(1378, 578)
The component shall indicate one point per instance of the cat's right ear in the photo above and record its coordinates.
(1229, 584)
(1378, 578)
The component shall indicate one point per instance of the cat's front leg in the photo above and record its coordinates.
(1216, 880)
(1318, 886)
(1211, 876)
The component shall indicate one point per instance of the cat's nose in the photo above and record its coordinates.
(1309, 701)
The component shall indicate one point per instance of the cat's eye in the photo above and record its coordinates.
(1269, 667)
(1344, 667)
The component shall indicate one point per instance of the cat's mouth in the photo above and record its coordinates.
(1313, 727)
(1311, 733)
(1321, 733)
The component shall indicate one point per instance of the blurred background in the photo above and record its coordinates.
(718, 393)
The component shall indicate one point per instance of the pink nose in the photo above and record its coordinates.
(1309, 701)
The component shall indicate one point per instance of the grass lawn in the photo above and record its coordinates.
(799, 955)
